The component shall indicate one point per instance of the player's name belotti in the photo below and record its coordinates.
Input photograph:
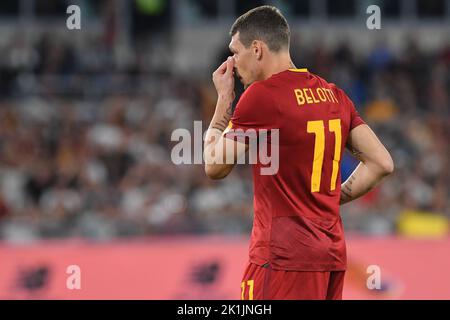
(225, 309)
(310, 96)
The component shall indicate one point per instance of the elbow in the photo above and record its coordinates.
(387, 166)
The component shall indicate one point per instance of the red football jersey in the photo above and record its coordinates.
(297, 225)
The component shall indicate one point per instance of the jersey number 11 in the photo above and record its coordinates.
(317, 127)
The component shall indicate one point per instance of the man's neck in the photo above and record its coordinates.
(279, 63)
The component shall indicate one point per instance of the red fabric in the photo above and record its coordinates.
(268, 284)
(295, 228)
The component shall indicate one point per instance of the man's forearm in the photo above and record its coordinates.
(223, 113)
(219, 123)
(214, 155)
(363, 179)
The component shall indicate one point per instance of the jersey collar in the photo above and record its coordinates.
(299, 70)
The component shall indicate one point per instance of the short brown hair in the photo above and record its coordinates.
(265, 23)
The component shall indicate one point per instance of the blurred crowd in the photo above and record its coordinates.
(85, 145)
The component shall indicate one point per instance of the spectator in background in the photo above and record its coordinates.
(90, 156)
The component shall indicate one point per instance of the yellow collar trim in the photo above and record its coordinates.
(299, 70)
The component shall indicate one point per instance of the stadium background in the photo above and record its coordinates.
(86, 118)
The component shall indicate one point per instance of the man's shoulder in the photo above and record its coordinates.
(258, 86)
(257, 91)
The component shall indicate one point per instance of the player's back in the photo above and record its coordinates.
(297, 225)
(314, 122)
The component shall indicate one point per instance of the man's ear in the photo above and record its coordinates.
(257, 49)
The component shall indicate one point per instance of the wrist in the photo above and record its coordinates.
(227, 98)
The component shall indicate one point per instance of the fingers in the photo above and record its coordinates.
(223, 68)
(226, 67)
(230, 65)
(223, 78)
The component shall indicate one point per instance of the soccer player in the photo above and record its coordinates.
(297, 247)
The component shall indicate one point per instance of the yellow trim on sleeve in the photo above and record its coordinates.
(228, 128)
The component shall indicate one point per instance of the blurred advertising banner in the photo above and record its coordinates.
(206, 267)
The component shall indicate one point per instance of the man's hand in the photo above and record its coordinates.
(217, 149)
(223, 79)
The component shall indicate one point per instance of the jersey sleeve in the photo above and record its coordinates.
(355, 118)
(255, 111)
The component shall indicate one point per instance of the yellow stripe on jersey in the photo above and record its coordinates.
(299, 70)
(335, 126)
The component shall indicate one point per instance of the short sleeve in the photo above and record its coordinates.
(355, 118)
(255, 110)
